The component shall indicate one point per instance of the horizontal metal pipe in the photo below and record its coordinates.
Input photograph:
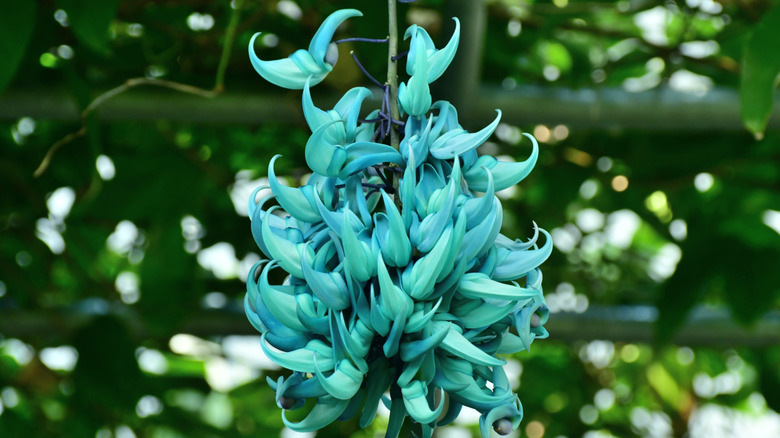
(661, 109)
(704, 327)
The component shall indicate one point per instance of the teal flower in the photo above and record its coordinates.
(398, 278)
(422, 47)
(316, 62)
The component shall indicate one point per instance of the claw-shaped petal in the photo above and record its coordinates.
(302, 359)
(449, 146)
(321, 41)
(324, 151)
(316, 63)
(391, 234)
(479, 286)
(299, 202)
(437, 60)
(416, 403)
(347, 110)
(415, 99)
(456, 344)
(326, 411)
(512, 265)
(280, 300)
(363, 154)
(504, 174)
(504, 418)
(345, 381)
(329, 287)
(360, 260)
(286, 252)
(411, 350)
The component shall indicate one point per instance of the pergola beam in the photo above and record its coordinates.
(661, 109)
(704, 327)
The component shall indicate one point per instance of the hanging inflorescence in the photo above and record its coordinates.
(400, 289)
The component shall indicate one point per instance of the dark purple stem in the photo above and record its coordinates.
(362, 40)
(400, 55)
(365, 72)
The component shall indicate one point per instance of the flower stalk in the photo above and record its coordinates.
(392, 69)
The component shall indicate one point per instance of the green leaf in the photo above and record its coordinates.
(760, 67)
(107, 379)
(751, 289)
(686, 288)
(17, 20)
(90, 20)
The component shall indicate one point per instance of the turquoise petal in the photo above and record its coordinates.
(347, 110)
(484, 314)
(456, 344)
(329, 287)
(377, 381)
(453, 374)
(309, 317)
(505, 174)
(421, 317)
(297, 202)
(512, 411)
(416, 402)
(411, 350)
(286, 252)
(365, 130)
(345, 381)
(324, 152)
(314, 116)
(475, 397)
(408, 189)
(348, 107)
(301, 359)
(480, 238)
(391, 234)
(411, 369)
(426, 270)
(415, 142)
(290, 73)
(379, 322)
(415, 99)
(303, 66)
(529, 323)
(395, 304)
(448, 148)
(360, 260)
(299, 387)
(477, 285)
(364, 154)
(477, 209)
(326, 411)
(335, 219)
(446, 119)
(318, 47)
(512, 265)
(397, 416)
(438, 60)
(280, 300)
(356, 341)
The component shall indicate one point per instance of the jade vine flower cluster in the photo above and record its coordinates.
(398, 287)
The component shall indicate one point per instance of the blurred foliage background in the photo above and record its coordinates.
(122, 262)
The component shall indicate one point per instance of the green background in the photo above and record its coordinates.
(121, 263)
